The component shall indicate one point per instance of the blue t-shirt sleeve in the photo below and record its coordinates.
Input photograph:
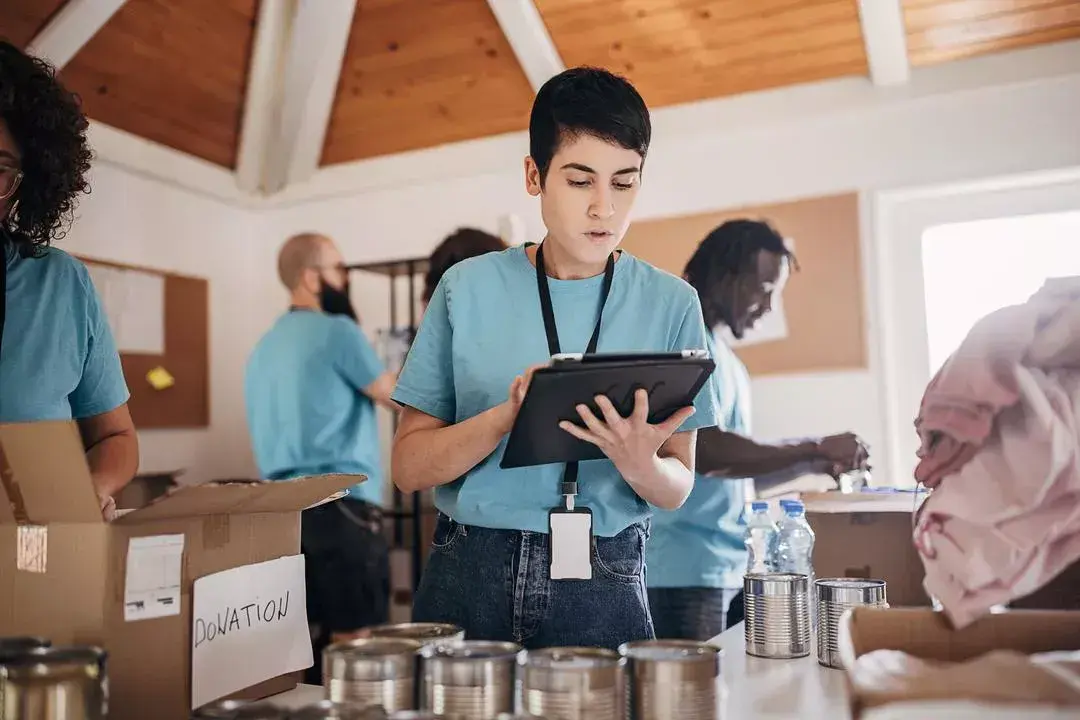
(426, 382)
(355, 359)
(102, 387)
(691, 336)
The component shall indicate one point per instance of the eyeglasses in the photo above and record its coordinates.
(10, 177)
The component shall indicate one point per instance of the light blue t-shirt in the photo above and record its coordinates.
(306, 412)
(701, 543)
(484, 326)
(59, 359)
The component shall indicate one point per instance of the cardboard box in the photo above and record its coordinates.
(868, 535)
(927, 634)
(63, 570)
(145, 488)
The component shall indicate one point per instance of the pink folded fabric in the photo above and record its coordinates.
(1000, 443)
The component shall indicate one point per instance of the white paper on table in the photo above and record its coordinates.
(249, 624)
(152, 581)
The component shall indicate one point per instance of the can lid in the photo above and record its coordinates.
(472, 650)
(669, 650)
(58, 655)
(421, 631)
(569, 658)
(374, 647)
(12, 646)
(853, 583)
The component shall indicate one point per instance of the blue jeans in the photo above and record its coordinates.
(494, 584)
(694, 613)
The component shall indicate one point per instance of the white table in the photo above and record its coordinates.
(755, 687)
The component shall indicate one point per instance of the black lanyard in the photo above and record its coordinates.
(569, 486)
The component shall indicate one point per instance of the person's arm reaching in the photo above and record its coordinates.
(112, 451)
(99, 407)
(359, 364)
(381, 390)
(730, 455)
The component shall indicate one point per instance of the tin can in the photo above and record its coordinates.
(673, 680)
(55, 683)
(372, 672)
(471, 680)
(423, 633)
(777, 615)
(835, 596)
(573, 683)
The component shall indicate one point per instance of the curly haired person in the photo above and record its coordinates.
(58, 359)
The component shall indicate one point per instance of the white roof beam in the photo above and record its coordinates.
(885, 37)
(313, 57)
(524, 28)
(265, 88)
(71, 28)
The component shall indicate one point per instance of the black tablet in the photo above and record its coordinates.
(672, 380)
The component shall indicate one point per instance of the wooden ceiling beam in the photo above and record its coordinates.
(528, 36)
(885, 37)
(71, 28)
(315, 49)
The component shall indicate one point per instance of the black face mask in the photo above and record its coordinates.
(334, 301)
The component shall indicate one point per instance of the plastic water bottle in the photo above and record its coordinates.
(794, 549)
(759, 538)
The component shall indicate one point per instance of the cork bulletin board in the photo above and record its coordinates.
(178, 343)
(823, 302)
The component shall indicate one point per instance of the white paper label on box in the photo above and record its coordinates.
(152, 582)
(249, 624)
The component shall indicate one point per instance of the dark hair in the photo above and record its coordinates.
(587, 101)
(730, 248)
(49, 128)
(460, 245)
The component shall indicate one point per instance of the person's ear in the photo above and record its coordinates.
(311, 280)
(533, 185)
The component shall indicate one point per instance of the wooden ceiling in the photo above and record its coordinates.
(677, 51)
(419, 73)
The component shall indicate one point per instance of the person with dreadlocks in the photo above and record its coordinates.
(58, 359)
(695, 557)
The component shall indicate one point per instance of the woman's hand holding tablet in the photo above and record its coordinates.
(631, 443)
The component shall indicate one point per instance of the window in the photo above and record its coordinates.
(971, 269)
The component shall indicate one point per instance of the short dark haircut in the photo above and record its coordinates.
(49, 128)
(587, 101)
(460, 245)
(730, 249)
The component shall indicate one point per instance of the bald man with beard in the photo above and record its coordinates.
(311, 386)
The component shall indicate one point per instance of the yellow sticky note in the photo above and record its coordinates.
(160, 379)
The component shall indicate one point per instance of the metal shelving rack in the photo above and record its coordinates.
(410, 270)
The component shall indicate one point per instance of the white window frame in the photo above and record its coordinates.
(897, 219)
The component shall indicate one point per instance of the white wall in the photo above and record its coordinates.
(999, 115)
(134, 220)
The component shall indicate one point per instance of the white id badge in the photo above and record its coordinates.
(571, 543)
